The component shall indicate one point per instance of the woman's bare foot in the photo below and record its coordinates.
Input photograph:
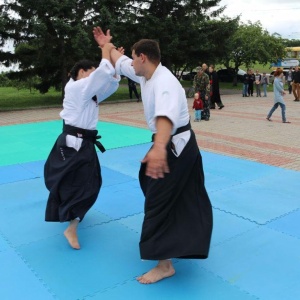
(71, 234)
(163, 270)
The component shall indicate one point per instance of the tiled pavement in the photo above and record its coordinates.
(239, 130)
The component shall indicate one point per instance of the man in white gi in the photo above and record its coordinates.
(72, 171)
(178, 213)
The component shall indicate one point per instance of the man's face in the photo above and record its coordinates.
(137, 64)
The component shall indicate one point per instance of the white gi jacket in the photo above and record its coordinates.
(162, 95)
(79, 109)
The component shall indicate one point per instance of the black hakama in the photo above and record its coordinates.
(73, 179)
(178, 214)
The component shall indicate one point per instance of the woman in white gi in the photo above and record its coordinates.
(72, 171)
(178, 213)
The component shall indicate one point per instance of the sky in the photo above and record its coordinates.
(276, 16)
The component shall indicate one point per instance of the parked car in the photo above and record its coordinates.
(227, 75)
(189, 76)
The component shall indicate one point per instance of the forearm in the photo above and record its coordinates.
(106, 53)
(114, 56)
(163, 132)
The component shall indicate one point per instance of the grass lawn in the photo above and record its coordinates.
(13, 99)
(261, 68)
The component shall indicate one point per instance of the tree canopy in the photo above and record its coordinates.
(50, 36)
(251, 44)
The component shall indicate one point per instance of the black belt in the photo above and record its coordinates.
(86, 134)
(179, 130)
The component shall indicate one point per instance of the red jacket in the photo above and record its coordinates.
(198, 104)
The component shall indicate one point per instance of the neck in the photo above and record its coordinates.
(149, 72)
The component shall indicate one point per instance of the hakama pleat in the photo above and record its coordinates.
(73, 179)
(178, 214)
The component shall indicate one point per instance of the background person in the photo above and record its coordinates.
(264, 83)
(215, 97)
(246, 77)
(132, 88)
(198, 107)
(289, 79)
(296, 84)
(251, 82)
(257, 83)
(201, 85)
(278, 96)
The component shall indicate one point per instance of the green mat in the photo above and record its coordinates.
(33, 141)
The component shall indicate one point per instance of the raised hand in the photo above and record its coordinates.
(100, 37)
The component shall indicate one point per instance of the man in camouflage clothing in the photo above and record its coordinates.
(201, 85)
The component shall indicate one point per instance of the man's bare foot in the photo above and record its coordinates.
(71, 234)
(163, 270)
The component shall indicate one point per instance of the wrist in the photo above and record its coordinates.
(159, 145)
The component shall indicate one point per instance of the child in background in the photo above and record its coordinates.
(198, 106)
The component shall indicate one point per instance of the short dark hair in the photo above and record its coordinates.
(149, 48)
(84, 64)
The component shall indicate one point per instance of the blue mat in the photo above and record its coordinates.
(260, 261)
(254, 250)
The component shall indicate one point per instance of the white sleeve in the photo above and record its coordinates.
(101, 82)
(124, 67)
(168, 101)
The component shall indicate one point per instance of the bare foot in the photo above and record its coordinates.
(71, 235)
(163, 270)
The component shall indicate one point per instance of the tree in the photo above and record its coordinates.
(178, 26)
(292, 43)
(252, 44)
(50, 36)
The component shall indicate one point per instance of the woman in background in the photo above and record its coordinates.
(278, 96)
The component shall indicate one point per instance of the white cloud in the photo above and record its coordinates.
(275, 16)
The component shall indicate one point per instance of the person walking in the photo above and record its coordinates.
(278, 96)
(215, 97)
(178, 213)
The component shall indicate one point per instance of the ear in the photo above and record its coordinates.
(143, 57)
(80, 74)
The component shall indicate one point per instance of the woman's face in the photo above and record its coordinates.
(210, 69)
